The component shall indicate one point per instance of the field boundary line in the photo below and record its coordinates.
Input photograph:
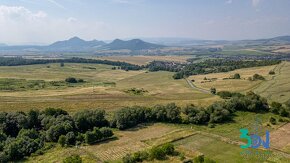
(195, 87)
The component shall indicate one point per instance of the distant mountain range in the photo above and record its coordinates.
(76, 44)
(135, 44)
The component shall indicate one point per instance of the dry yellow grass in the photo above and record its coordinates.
(277, 88)
(238, 85)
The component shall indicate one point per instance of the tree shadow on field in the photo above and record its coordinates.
(140, 127)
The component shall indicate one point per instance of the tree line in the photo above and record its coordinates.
(22, 134)
(17, 61)
(206, 67)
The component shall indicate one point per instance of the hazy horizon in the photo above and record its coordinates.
(46, 21)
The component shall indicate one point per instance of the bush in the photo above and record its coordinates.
(88, 119)
(213, 91)
(272, 72)
(157, 153)
(258, 77)
(70, 138)
(106, 132)
(272, 120)
(71, 80)
(168, 149)
(62, 140)
(73, 159)
(237, 76)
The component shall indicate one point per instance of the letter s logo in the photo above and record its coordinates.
(244, 135)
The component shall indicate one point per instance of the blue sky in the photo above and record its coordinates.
(45, 21)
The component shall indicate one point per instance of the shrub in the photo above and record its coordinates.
(157, 153)
(168, 149)
(73, 159)
(88, 119)
(272, 120)
(272, 72)
(71, 80)
(237, 76)
(213, 91)
(258, 77)
(62, 140)
(106, 132)
(70, 138)
(199, 159)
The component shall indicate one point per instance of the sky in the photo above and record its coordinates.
(47, 21)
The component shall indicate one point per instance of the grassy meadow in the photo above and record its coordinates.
(218, 81)
(103, 88)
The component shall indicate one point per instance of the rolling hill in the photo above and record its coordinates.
(134, 44)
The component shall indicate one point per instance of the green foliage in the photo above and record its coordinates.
(92, 137)
(195, 115)
(62, 140)
(273, 120)
(213, 91)
(157, 153)
(218, 113)
(168, 113)
(227, 94)
(71, 80)
(70, 138)
(54, 112)
(27, 142)
(206, 67)
(271, 72)
(237, 76)
(16, 61)
(73, 159)
(106, 132)
(257, 77)
(88, 119)
(136, 91)
(199, 159)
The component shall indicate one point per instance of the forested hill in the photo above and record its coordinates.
(17, 61)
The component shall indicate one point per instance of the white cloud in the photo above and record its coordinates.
(20, 25)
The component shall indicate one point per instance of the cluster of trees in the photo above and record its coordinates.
(164, 66)
(74, 80)
(131, 116)
(218, 112)
(22, 134)
(218, 65)
(157, 152)
(17, 61)
(227, 94)
(256, 77)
